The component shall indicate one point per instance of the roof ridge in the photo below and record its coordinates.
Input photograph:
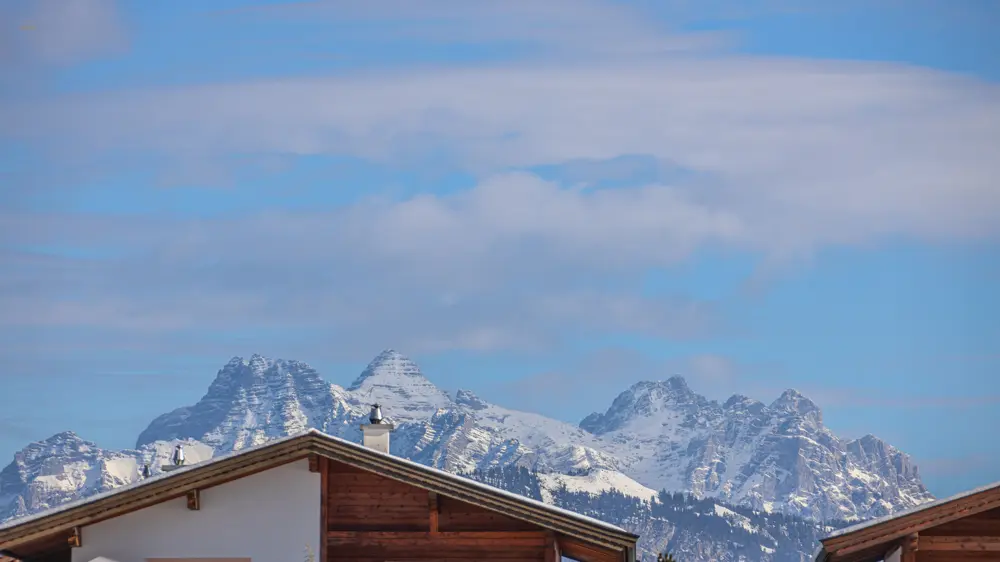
(238, 464)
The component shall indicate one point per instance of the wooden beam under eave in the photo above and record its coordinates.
(194, 500)
(75, 538)
(910, 547)
(584, 552)
(552, 553)
(314, 463)
(434, 512)
(959, 544)
(323, 465)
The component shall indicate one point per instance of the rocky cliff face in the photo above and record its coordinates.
(771, 458)
(250, 402)
(776, 458)
(65, 468)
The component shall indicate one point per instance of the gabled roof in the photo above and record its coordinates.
(219, 470)
(878, 535)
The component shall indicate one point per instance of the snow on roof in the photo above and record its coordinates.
(140, 483)
(912, 510)
(167, 475)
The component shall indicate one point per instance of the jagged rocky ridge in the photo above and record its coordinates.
(776, 458)
(689, 528)
(65, 467)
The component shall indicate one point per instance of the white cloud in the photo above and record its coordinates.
(782, 157)
(794, 153)
(59, 31)
(555, 27)
(458, 272)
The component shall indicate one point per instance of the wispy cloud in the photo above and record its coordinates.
(16, 428)
(868, 399)
(560, 27)
(596, 377)
(467, 271)
(960, 466)
(784, 156)
(789, 155)
(59, 31)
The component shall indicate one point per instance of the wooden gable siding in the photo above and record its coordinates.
(976, 537)
(986, 524)
(457, 515)
(972, 538)
(372, 518)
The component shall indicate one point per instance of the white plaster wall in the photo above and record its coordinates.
(271, 516)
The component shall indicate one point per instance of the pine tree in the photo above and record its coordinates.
(665, 557)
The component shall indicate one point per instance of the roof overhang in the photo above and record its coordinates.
(238, 465)
(870, 541)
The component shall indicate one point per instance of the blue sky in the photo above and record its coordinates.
(583, 194)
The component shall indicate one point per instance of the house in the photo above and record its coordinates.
(959, 528)
(314, 495)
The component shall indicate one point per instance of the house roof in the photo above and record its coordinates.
(878, 535)
(169, 485)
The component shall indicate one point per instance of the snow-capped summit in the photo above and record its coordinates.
(793, 401)
(667, 436)
(392, 378)
(387, 364)
(646, 407)
(249, 402)
(739, 402)
(468, 399)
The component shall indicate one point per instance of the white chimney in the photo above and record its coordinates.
(376, 433)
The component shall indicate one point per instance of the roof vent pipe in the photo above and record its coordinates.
(376, 434)
(177, 460)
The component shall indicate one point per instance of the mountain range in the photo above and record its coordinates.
(756, 465)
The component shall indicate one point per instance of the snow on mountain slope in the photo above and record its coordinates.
(594, 482)
(554, 445)
(254, 400)
(778, 457)
(392, 378)
(65, 468)
(655, 435)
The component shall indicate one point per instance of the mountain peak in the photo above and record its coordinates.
(63, 436)
(387, 366)
(645, 402)
(285, 396)
(469, 399)
(395, 381)
(674, 390)
(792, 400)
(742, 402)
(677, 383)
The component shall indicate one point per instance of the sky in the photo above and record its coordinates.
(564, 195)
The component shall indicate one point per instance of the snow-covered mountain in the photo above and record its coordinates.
(65, 468)
(776, 458)
(690, 528)
(771, 458)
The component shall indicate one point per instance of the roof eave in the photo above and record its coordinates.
(225, 469)
(460, 490)
(888, 530)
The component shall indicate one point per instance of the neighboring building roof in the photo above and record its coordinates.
(877, 535)
(165, 486)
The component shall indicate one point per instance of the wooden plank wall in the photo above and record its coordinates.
(974, 538)
(370, 518)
